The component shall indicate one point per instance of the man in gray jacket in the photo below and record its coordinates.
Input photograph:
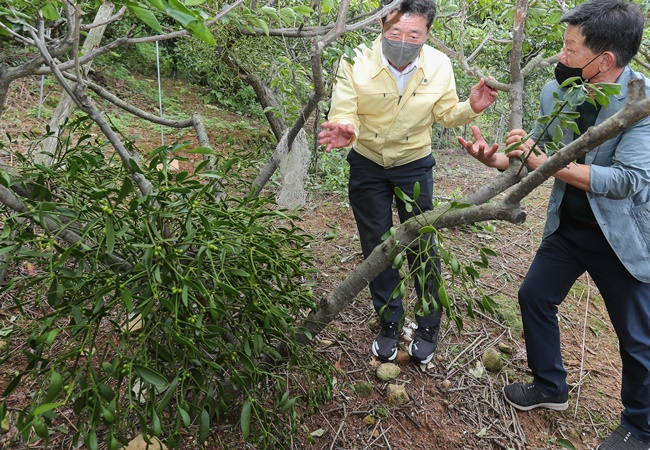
(598, 222)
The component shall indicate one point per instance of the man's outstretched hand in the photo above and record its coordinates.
(336, 135)
(485, 153)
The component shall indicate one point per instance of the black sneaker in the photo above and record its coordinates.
(526, 397)
(621, 439)
(385, 345)
(424, 344)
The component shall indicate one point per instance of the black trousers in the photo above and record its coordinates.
(372, 192)
(562, 257)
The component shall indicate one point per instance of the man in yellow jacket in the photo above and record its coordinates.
(384, 106)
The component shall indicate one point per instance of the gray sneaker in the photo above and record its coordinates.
(385, 345)
(424, 344)
(525, 396)
(621, 439)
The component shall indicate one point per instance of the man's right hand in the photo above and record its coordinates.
(336, 135)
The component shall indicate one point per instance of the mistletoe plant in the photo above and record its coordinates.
(170, 310)
(427, 255)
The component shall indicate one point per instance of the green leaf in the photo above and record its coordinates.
(50, 12)
(304, 10)
(557, 134)
(204, 426)
(231, 291)
(110, 235)
(13, 384)
(56, 384)
(444, 298)
(185, 417)
(6, 231)
(92, 440)
(245, 418)
(41, 409)
(269, 12)
(260, 24)
(287, 14)
(426, 230)
(455, 266)
(327, 6)
(9, 248)
(199, 30)
(55, 292)
(160, 5)
(133, 164)
(162, 403)
(147, 17)
(175, 5)
(288, 405)
(472, 272)
(488, 251)
(151, 376)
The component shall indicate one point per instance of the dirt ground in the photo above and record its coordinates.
(454, 403)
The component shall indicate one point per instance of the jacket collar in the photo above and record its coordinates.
(623, 79)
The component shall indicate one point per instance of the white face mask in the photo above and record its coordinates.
(400, 53)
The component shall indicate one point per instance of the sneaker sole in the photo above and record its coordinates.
(374, 352)
(553, 406)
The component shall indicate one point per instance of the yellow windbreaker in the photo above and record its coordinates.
(392, 129)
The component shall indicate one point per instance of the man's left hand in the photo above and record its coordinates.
(482, 96)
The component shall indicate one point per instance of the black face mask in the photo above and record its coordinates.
(564, 72)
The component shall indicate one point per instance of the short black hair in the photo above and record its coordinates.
(426, 8)
(609, 25)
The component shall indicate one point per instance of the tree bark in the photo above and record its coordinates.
(516, 97)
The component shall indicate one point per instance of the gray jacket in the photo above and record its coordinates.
(620, 182)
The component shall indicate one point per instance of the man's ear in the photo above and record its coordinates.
(609, 61)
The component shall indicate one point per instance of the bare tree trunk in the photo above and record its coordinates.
(66, 105)
(516, 98)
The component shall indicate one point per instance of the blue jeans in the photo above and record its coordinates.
(371, 194)
(562, 257)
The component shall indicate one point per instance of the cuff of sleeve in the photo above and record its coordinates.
(468, 111)
(598, 180)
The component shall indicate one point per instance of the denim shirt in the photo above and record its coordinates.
(619, 182)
